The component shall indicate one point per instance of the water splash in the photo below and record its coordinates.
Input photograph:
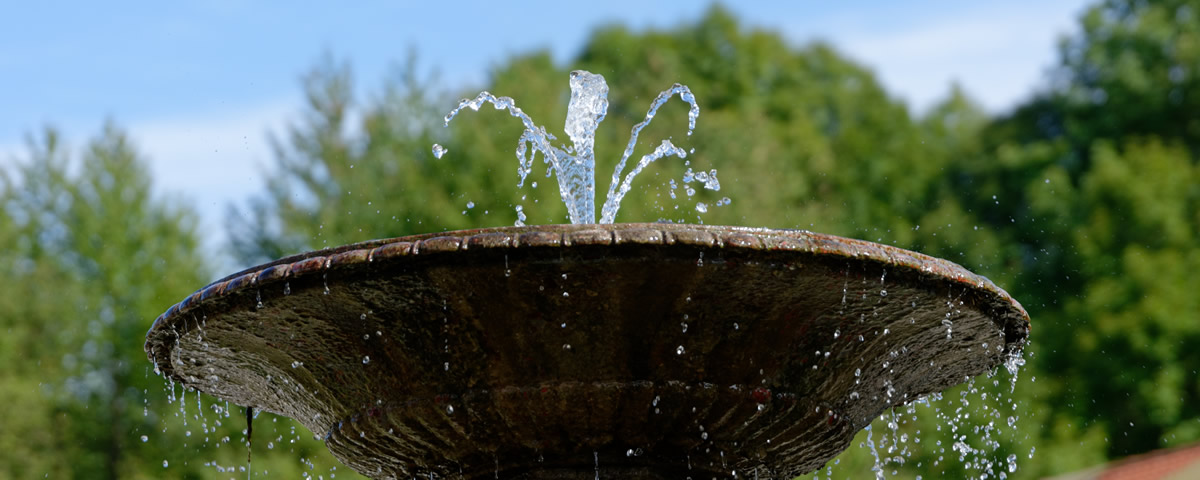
(613, 201)
(588, 106)
(575, 166)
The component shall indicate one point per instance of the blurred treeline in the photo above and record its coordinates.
(1083, 202)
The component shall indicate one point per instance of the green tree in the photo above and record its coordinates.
(828, 132)
(36, 292)
(1132, 72)
(92, 257)
(1091, 187)
(338, 182)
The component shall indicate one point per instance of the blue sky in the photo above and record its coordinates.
(200, 84)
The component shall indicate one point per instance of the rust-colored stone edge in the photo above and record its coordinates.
(568, 236)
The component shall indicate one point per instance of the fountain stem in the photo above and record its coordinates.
(589, 105)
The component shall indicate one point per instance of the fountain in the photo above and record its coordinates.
(589, 350)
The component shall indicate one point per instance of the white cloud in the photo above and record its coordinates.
(998, 52)
(207, 159)
(11, 150)
(212, 159)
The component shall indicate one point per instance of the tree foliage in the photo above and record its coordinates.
(91, 257)
(1095, 185)
(1083, 202)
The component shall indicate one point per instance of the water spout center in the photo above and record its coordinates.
(575, 166)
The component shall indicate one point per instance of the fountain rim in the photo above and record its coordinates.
(567, 236)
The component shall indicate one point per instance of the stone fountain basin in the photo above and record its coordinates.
(561, 351)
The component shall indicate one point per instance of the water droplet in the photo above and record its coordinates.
(679, 351)
(145, 439)
(297, 364)
(438, 151)
(566, 346)
(701, 207)
(164, 464)
(366, 359)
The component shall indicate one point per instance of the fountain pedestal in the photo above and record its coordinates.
(647, 350)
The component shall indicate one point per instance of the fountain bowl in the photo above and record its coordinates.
(571, 351)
